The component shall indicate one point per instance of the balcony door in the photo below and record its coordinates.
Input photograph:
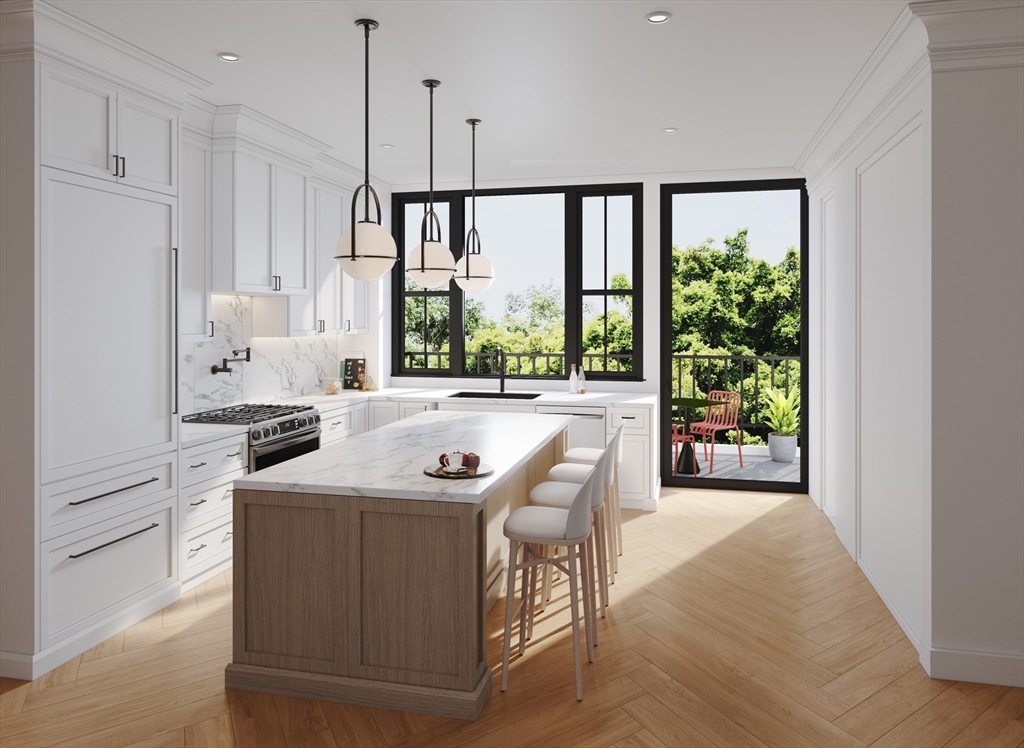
(734, 335)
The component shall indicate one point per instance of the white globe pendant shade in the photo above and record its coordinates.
(481, 273)
(376, 251)
(432, 266)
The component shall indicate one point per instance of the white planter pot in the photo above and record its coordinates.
(782, 448)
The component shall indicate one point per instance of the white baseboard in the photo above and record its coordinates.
(974, 667)
(914, 637)
(29, 667)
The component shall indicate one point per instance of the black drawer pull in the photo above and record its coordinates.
(193, 467)
(628, 418)
(196, 550)
(129, 535)
(111, 493)
(197, 503)
(235, 454)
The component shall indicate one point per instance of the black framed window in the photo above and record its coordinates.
(569, 263)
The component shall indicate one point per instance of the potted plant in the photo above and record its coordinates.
(782, 413)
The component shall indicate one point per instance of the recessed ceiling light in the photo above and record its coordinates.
(386, 146)
(669, 130)
(229, 57)
(658, 16)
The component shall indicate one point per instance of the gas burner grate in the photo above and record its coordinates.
(245, 415)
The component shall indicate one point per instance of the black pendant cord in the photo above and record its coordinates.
(366, 124)
(473, 237)
(429, 216)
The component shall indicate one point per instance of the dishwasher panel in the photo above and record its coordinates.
(588, 424)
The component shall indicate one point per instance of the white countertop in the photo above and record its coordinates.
(350, 397)
(388, 462)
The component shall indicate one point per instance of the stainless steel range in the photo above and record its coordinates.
(277, 433)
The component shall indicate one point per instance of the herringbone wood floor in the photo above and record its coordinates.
(736, 620)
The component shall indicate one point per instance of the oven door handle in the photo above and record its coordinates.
(265, 449)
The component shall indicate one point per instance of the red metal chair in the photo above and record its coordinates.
(719, 417)
(678, 437)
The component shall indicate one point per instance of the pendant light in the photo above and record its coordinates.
(473, 272)
(366, 250)
(430, 263)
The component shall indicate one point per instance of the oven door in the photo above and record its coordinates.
(265, 455)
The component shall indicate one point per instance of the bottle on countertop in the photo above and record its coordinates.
(583, 381)
(574, 381)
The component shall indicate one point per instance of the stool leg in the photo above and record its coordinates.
(523, 586)
(545, 587)
(509, 605)
(590, 590)
(589, 624)
(602, 560)
(573, 551)
(609, 522)
(534, 570)
(618, 512)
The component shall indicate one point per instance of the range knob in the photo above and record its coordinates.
(266, 432)
(256, 434)
(316, 419)
(275, 430)
(302, 422)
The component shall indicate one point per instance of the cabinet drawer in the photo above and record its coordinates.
(95, 572)
(205, 546)
(199, 503)
(88, 499)
(634, 419)
(215, 458)
(337, 425)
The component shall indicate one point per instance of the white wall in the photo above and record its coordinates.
(916, 183)
(977, 518)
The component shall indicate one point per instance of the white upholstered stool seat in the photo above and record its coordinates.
(558, 494)
(583, 455)
(539, 522)
(570, 472)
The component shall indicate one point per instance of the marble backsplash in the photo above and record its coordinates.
(280, 367)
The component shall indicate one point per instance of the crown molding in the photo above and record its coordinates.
(894, 67)
(341, 174)
(972, 34)
(37, 26)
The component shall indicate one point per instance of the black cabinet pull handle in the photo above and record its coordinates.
(174, 293)
(193, 467)
(115, 164)
(111, 493)
(196, 550)
(234, 454)
(123, 161)
(628, 418)
(197, 503)
(211, 328)
(129, 535)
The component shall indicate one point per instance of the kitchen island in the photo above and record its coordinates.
(359, 579)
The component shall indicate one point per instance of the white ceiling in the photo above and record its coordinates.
(564, 88)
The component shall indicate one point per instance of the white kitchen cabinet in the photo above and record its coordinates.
(359, 414)
(338, 302)
(259, 227)
(91, 573)
(381, 413)
(107, 324)
(195, 250)
(406, 408)
(89, 126)
(635, 471)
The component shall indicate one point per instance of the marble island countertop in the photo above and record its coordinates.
(388, 462)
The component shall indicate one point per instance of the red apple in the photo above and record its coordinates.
(471, 459)
(443, 459)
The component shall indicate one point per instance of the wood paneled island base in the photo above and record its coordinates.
(374, 601)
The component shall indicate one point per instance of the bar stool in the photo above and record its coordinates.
(537, 526)
(589, 456)
(575, 472)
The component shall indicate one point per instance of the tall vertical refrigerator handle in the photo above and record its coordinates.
(174, 327)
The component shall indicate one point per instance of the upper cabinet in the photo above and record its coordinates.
(91, 127)
(337, 304)
(262, 232)
(260, 237)
(195, 251)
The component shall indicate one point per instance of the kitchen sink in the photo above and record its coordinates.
(498, 395)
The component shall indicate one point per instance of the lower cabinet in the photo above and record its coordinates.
(381, 413)
(204, 501)
(406, 408)
(92, 573)
(204, 547)
(635, 471)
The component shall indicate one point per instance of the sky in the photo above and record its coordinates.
(523, 235)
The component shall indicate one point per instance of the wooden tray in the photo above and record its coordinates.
(436, 471)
